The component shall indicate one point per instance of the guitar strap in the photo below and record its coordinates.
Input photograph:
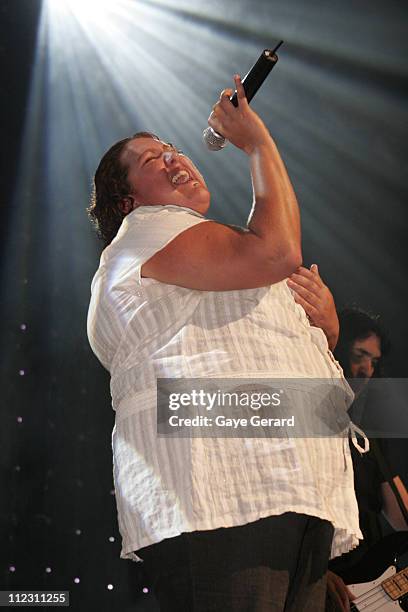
(386, 472)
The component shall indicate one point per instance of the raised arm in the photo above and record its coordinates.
(212, 256)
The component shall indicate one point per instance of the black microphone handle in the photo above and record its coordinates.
(256, 76)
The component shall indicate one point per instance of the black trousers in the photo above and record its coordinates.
(275, 564)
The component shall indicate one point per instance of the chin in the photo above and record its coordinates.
(202, 207)
(358, 384)
(199, 207)
(200, 203)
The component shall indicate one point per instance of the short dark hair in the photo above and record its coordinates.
(110, 186)
(356, 324)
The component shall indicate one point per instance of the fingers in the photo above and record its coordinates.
(310, 310)
(314, 269)
(304, 289)
(215, 124)
(341, 604)
(340, 592)
(224, 101)
(301, 280)
(312, 275)
(350, 594)
(225, 96)
(217, 117)
(242, 99)
(220, 108)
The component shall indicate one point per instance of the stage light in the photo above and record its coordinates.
(80, 5)
(92, 11)
(73, 18)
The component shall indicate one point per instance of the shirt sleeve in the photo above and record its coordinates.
(143, 233)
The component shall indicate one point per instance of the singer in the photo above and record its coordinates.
(221, 524)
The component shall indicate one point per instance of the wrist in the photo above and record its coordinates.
(332, 338)
(261, 146)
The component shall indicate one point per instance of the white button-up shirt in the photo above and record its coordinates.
(141, 329)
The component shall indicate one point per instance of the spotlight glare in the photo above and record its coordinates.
(81, 9)
(78, 4)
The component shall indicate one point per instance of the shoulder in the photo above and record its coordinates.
(143, 232)
(153, 222)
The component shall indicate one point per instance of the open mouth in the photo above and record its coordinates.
(180, 178)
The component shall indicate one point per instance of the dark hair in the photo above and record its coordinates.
(356, 324)
(110, 186)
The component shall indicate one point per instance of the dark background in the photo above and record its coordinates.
(341, 125)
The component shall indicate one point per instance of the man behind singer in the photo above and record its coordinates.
(221, 524)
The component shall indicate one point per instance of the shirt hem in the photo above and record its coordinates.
(348, 542)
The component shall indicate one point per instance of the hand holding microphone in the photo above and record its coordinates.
(215, 137)
(240, 125)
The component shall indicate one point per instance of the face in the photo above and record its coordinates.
(159, 174)
(364, 357)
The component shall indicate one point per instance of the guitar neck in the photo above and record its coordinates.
(396, 586)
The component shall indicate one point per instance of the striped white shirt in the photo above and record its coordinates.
(141, 329)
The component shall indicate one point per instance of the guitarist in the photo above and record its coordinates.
(361, 348)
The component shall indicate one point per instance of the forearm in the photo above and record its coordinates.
(274, 224)
(275, 214)
(391, 509)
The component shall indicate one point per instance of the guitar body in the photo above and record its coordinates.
(371, 595)
(373, 563)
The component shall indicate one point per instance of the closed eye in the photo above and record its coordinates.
(149, 159)
(170, 148)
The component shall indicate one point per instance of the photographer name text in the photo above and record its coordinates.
(234, 423)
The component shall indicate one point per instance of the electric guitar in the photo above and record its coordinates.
(380, 595)
(377, 590)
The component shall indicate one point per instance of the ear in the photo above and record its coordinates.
(126, 205)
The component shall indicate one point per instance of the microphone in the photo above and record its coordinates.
(251, 82)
